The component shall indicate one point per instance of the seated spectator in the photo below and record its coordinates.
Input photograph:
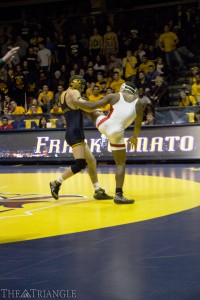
(100, 78)
(140, 52)
(185, 99)
(43, 122)
(152, 74)
(109, 90)
(19, 123)
(15, 109)
(90, 76)
(58, 94)
(34, 108)
(144, 66)
(197, 116)
(42, 80)
(103, 90)
(89, 90)
(159, 94)
(56, 109)
(116, 82)
(150, 119)
(64, 76)
(152, 52)
(160, 67)
(96, 96)
(33, 125)
(142, 82)
(76, 70)
(61, 123)
(194, 72)
(6, 103)
(5, 125)
(84, 63)
(56, 81)
(6, 113)
(100, 64)
(142, 95)
(196, 89)
(115, 65)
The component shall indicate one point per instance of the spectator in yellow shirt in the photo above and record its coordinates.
(185, 99)
(96, 96)
(15, 109)
(56, 109)
(146, 63)
(167, 42)
(129, 64)
(45, 98)
(117, 82)
(34, 108)
(89, 90)
(100, 78)
(196, 89)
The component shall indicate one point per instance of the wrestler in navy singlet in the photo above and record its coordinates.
(74, 132)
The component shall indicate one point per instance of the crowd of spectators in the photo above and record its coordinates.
(149, 53)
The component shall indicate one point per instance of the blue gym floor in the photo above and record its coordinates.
(156, 259)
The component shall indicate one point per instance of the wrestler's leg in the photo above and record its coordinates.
(92, 164)
(80, 163)
(99, 193)
(120, 161)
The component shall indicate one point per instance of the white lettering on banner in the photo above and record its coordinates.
(95, 145)
(40, 143)
(142, 145)
(172, 140)
(145, 144)
(156, 142)
(187, 143)
(54, 146)
(167, 144)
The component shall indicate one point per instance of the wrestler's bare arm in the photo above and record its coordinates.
(138, 122)
(91, 106)
(69, 96)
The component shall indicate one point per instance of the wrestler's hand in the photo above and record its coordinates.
(82, 99)
(133, 141)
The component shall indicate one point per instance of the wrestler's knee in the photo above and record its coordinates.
(79, 165)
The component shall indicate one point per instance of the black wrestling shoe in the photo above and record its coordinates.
(100, 194)
(54, 186)
(122, 200)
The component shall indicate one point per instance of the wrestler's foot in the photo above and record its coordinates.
(54, 186)
(100, 194)
(122, 200)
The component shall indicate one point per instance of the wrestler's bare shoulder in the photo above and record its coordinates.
(68, 96)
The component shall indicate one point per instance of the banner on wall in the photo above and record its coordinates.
(155, 143)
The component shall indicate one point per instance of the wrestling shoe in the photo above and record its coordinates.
(100, 194)
(54, 186)
(122, 200)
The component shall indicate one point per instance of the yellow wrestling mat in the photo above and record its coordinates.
(27, 210)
